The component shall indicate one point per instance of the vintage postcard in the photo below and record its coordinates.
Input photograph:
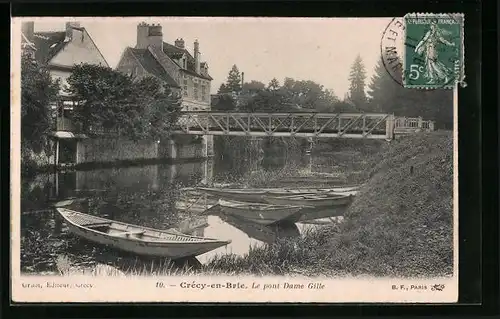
(218, 159)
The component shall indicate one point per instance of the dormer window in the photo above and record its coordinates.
(184, 62)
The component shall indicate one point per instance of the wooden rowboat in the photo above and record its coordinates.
(137, 239)
(257, 194)
(250, 195)
(264, 214)
(67, 201)
(310, 200)
(311, 180)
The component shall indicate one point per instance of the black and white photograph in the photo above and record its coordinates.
(219, 159)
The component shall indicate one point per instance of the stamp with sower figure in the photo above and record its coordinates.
(434, 51)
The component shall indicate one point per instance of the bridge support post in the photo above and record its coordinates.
(389, 127)
(208, 145)
(172, 149)
(208, 172)
(256, 154)
(172, 173)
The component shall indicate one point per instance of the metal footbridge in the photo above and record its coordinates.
(300, 124)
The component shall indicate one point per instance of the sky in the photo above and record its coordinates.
(317, 49)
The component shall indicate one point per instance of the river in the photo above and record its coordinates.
(152, 196)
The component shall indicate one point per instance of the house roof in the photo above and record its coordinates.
(175, 53)
(27, 43)
(151, 65)
(48, 44)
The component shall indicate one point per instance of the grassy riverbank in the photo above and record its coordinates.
(400, 224)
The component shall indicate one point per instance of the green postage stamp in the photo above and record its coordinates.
(434, 50)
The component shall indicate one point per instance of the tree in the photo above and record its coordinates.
(273, 85)
(253, 86)
(233, 83)
(384, 90)
(327, 102)
(267, 100)
(288, 83)
(224, 102)
(38, 90)
(137, 108)
(223, 89)
(306, 94)
(357, 79)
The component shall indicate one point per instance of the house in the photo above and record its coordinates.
(59, 51)
(171, 63)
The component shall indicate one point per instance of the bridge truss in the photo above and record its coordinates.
(340, 125)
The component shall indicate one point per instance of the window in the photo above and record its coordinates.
(185, 87)
(203, 93)
(184, 63)
(196, 91)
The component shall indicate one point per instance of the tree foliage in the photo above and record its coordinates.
(273, 85)
(253, 86)
(233, 83)
(267, 100)
(137, 108)
(223, 89)
(223, 102)
(357, 79)
(291, 96)
(38, 90)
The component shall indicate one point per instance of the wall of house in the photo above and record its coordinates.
(114, 149)
(193, 97)
(81, 49)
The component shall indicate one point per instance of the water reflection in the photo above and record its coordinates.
(151, 196)
(266, 234)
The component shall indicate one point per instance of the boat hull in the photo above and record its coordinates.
(237, 194)
(320, 202)
(263, 216)
(257, 195)
(182, 246)
(323, 212)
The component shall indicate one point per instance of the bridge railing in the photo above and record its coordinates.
(413, 124)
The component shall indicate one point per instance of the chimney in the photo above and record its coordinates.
(149, 35)
(179, 43)
(28, 29)
(69, 29)
(197, 56)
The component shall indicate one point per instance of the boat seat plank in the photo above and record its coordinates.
(97, 224)
(132, 232)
